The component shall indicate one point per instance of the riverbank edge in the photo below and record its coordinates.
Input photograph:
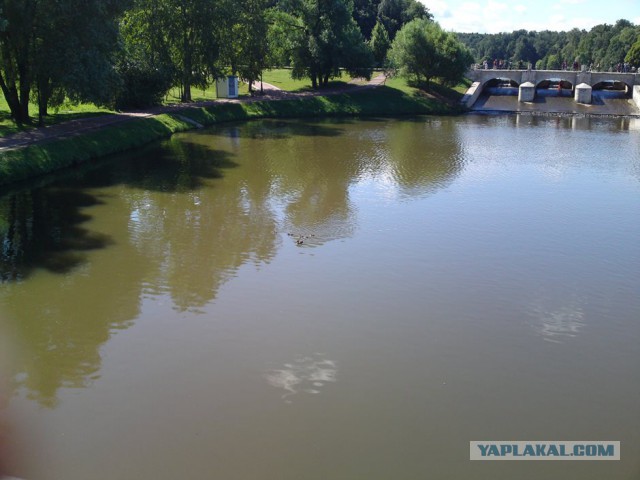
(40, 159)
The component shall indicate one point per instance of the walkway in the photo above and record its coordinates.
(81, 125)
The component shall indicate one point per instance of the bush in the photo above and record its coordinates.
(143, 86)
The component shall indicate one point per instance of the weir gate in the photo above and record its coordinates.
(581, 83)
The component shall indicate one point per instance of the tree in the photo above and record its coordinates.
(62, 48)
(247, 48)
(379, 43)
(183, 34)
(317, 38)
(423, 50)
(525, 51)
(365, 13)
(633, 56)
(554, 62)
(396, 13)
(145, 65)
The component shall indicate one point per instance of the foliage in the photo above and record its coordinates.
(423, 51)
(181, 36)
(394, 14)
(317, 38)
(142, 85)
(601, 48)
(245, 46)
(379, 43)
(633, 56)
(58, 49)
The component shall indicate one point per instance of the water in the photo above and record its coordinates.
(603, 102)
(348, 299)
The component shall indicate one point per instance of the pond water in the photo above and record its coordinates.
(352, 299)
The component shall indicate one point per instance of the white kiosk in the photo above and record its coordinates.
(227, 87)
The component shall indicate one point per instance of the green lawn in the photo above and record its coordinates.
(281, 78)
(199, 95)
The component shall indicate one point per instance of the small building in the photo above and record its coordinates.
(227, 87)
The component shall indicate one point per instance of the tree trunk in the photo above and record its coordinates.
(186, 78)
(11, 96)
(43, 100)
(187, 64)
(186, 92)
(25, 90)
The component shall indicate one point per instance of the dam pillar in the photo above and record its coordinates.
(527, 92)
(583, 94)
(472, 95)
(635, 96)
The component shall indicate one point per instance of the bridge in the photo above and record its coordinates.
(581, 83)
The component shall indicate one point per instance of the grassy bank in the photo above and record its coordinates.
(35, 160)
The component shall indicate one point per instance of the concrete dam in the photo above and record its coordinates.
(554, 91)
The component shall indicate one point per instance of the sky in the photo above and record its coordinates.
(493, 16)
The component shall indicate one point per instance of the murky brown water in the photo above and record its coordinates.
(458, 279)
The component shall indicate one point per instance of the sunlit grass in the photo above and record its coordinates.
(281, 78)
(200, 95)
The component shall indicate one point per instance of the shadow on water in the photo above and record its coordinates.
(279, 129)
(171, 166)
(42, 229)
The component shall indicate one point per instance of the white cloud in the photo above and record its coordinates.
(493, 16)
(438, 8)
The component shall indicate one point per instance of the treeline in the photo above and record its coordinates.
(129, 53)
(604, 47)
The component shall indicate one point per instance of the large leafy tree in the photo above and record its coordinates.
(317, 38)
(246, 51)
(423, 51)
(396, 13)
(145, 64)
(185, 36)
(58, 49)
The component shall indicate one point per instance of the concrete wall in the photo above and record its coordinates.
(472, 95)
(636, 95)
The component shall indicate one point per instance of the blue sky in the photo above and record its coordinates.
(493, 16)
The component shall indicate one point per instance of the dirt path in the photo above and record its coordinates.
(82, 125)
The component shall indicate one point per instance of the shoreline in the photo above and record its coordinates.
(28, 162)
(40, 157)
